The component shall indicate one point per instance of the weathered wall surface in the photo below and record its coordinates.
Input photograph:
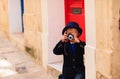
(33, 30)
(116, 40)
(108, 39)
(4, 26)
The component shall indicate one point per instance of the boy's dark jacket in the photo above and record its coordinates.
(73, 62)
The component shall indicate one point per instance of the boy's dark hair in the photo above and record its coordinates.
(72, 25)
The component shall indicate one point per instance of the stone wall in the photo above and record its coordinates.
(32, 29)
(116, 40)
(108, 39)
(4, 17)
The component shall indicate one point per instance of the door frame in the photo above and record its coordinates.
(22, 13)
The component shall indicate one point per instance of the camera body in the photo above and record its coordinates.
(70, 36)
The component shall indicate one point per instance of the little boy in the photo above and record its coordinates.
(72, 50)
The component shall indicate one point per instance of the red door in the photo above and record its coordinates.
(74, 11)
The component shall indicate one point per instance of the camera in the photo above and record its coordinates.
(70, 36)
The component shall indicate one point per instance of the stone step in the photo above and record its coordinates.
(55, 69)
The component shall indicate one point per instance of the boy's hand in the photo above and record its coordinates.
(64, 37)
(76, 39)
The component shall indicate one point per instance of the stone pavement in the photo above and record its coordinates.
(15, 64)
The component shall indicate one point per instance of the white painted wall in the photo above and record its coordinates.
(15, 22)
(56, 21)
(53, 21)
(90, 25)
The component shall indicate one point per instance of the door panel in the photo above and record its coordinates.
(74, 11)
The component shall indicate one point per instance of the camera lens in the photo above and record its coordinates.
(70, 36)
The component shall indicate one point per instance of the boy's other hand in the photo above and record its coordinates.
(76, 39)
(64, 37)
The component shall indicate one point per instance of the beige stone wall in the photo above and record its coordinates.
(116, 40)
(108, 39)
(32, 29)
(4, 17)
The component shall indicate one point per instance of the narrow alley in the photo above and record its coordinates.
(15, 64)
(30, 30)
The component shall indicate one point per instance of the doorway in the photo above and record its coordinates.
(16, 23)
(53, 21)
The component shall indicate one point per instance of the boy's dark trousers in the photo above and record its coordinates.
(77, 76)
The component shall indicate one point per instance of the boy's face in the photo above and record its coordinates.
(73, 31)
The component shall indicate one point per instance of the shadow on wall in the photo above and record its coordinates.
(31, 51)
